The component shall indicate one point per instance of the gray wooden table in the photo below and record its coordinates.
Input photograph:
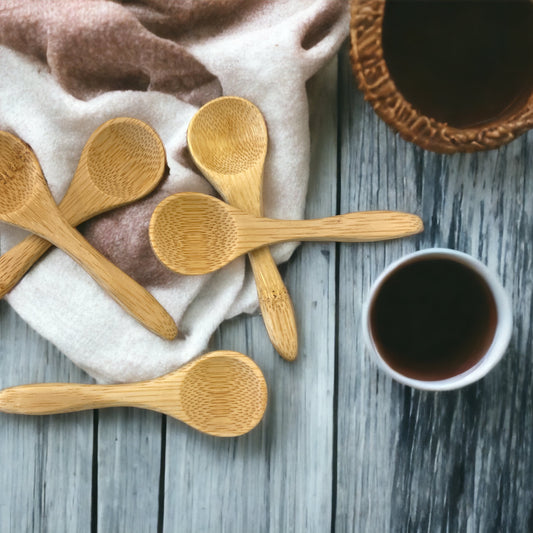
(342, 448)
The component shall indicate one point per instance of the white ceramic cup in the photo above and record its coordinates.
(502, 330)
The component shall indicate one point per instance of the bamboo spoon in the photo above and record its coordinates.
(228, 140)
(193, 233)
(221, 393)
(26, 201)
(123, 160)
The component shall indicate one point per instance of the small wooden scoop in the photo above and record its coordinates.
(228, 141)
(123, 160)
(193, 233)
(26, 201)
(221, 393)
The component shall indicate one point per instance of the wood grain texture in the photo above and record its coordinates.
(276, 304)
(26, 202)
(45, 463)
(221, 393)
(128, 465)
(195, 233)
(342, 448)
(123, 160)
(228, 141)
(278, 477)
(414, 461)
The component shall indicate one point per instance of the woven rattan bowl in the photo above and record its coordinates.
(448, 75)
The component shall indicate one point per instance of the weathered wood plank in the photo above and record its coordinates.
(129, 468)
(45, 462)
(404, 461)
(278, 477)
(409, 460)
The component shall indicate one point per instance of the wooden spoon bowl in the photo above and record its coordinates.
(193, 233)
(222, 395)
(228, 140)
(122, 157)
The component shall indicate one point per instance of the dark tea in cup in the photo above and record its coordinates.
(437, 319)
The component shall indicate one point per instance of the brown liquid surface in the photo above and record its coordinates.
(463, 62)
(433, 319)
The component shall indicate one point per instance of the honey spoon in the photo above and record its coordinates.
(193, 233)
(123, 160)
(26, 201)
(221, 393)
(228, 139)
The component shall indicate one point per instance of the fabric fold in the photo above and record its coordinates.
(67, 68)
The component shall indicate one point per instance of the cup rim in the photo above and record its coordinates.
(502, 333)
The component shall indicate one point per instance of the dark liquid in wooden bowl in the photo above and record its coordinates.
(463, 62)
(433, 319)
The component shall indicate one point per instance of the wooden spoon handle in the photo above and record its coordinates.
(362, 226)
(52, 398)
(133, 298)
(276, 304)
(18, 260)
